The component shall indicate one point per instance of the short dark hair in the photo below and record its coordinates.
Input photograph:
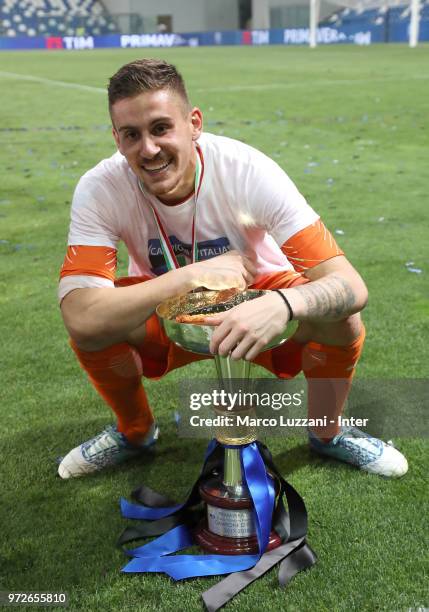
(143, 75)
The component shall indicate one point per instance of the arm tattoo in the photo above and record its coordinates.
(328, 297)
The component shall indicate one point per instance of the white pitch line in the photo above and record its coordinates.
(28, 77)
(224, 89)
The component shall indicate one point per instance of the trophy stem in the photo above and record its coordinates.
(228, 369)
(232, 468)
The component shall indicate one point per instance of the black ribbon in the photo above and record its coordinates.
(293, 555)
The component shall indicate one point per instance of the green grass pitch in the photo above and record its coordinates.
(349, 125)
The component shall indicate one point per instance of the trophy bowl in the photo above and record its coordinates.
(196, 337)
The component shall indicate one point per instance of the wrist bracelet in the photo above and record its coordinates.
(286, 301)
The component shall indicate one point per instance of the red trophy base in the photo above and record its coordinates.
(221, 545)
(229, 528)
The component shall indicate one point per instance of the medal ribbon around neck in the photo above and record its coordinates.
(167, 250)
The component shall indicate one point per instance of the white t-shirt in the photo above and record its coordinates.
(246, 202)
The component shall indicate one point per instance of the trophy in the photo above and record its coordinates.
(228, 527)
(235, 509)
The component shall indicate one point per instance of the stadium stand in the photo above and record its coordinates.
(55, 18)
(390, 16)
(52, 18)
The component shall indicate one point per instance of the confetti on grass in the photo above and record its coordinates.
(415, 270)
(9, 247)
(410, 267)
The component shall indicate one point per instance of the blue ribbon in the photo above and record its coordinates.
(176, 539)
(261, 490)
(153, 557)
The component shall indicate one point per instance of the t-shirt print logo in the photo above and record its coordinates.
(183, 251)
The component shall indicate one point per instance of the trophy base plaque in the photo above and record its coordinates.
(229, 526)
(221, 545)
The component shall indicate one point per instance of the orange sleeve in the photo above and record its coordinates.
(310, 247)
(90, 261)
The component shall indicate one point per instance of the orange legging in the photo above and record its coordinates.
(116, 371)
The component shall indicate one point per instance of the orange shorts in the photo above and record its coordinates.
(159, 355)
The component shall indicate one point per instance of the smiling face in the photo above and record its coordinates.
(155, 131)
